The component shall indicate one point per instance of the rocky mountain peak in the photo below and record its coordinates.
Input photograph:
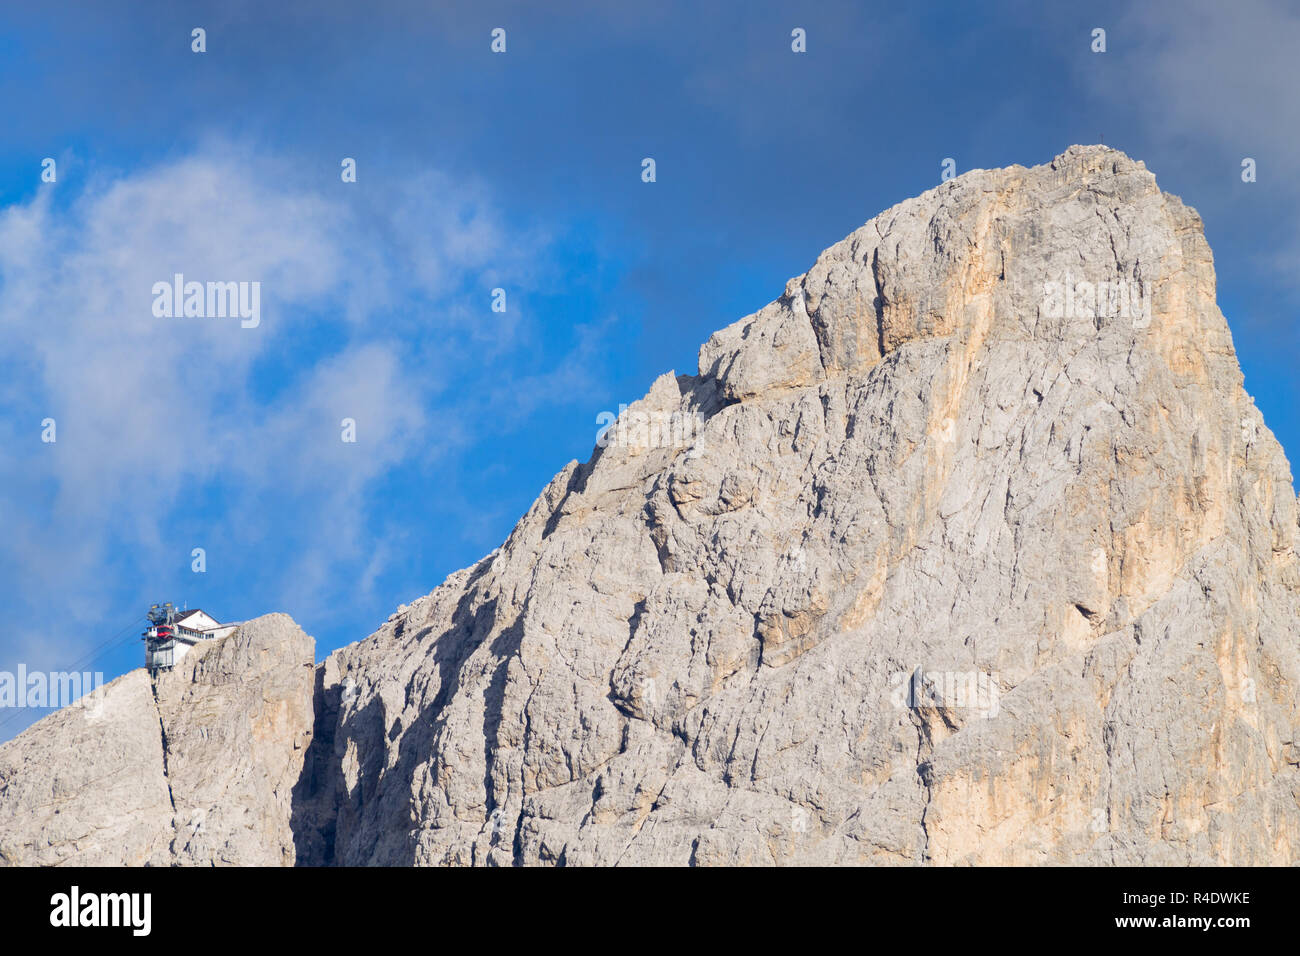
(970, 547)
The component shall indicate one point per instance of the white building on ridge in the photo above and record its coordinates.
(172, 633)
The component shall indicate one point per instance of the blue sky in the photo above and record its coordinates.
(476, 171)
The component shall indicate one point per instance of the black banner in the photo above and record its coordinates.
(342, 906)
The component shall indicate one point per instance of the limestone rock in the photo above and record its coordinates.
(197, 768)
(85, 785)
(237, 725)
(968, 549)
(955, 570)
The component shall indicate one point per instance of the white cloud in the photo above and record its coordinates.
(1213, 83)
(150, 410)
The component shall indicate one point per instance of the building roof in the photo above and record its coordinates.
(188, 615)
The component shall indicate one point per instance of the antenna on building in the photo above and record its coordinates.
(167, 640)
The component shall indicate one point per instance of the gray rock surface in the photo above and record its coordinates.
(86, 785)
(195, 769)
(913, 470)
(945, 568)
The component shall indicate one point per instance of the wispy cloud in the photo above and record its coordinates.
(172, 430)
(1215, 83)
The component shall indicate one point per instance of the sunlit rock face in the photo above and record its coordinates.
(194, 767)
(979, 554)
(970, 548)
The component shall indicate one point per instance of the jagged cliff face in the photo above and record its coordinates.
(948, 566)
(197, 767)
